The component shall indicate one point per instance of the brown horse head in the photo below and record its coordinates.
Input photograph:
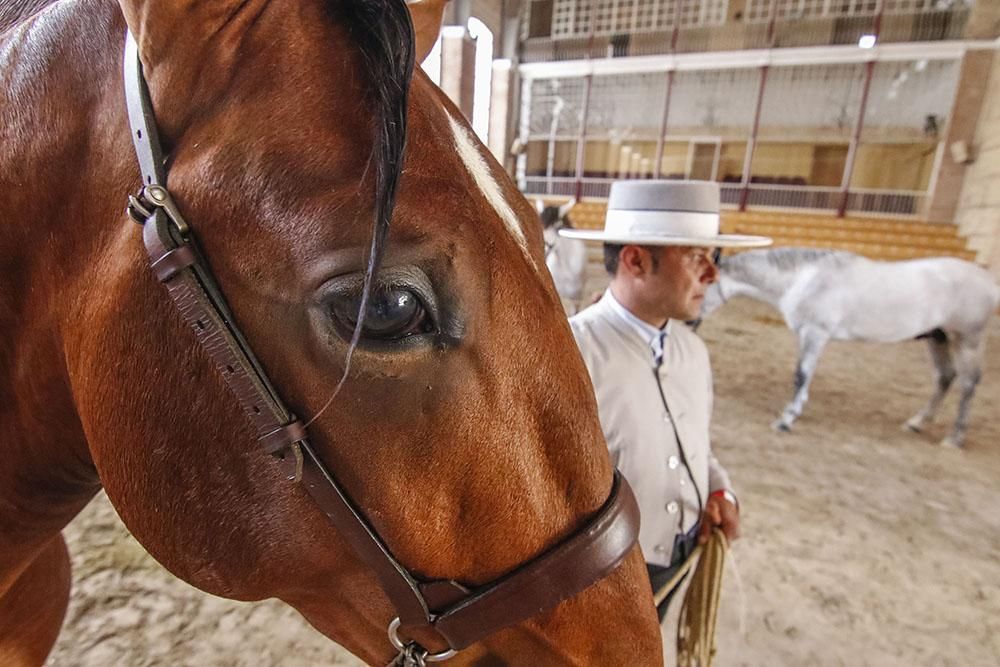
(465, 431)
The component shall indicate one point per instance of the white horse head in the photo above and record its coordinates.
(554, 216)
(565, 258)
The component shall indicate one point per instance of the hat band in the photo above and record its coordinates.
(621, 222)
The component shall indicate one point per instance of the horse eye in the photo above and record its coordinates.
(392, 313)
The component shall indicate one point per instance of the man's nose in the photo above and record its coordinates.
(711, 273)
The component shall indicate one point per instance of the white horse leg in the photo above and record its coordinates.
(944, 374)
(812, 340)
(968, 363)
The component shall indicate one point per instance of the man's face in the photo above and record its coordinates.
(678, 280)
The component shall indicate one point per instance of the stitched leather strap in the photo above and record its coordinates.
(561, 573)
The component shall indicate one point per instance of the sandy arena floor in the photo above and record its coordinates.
(863, 544)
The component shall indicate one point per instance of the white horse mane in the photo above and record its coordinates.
(751, 263)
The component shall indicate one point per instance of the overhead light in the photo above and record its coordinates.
(867, 41)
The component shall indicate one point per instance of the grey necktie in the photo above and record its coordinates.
(658, 347)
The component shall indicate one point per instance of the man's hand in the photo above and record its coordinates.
(720, 512)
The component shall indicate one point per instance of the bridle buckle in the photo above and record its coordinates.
(151, 197)
(412, 654)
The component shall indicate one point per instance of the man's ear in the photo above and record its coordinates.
(427, 16)
(631, 259)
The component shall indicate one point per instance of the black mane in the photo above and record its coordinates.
(383, 32)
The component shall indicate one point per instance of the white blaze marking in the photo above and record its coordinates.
(477, 166)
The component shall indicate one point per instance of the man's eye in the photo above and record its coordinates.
(391, 314)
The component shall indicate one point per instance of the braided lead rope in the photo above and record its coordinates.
(700, 610)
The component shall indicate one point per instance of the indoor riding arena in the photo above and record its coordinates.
(859, 138)
(862, 544)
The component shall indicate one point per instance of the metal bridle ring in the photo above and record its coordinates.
(400, 646)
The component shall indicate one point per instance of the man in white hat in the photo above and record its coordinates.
(651, 374)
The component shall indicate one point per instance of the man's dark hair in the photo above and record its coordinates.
(611, 253)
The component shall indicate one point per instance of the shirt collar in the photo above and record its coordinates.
(652, 336)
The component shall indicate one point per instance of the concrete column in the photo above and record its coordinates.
(501, 103)
(972, 83)
(504, 105)
(510, 29)
(978, 213)
(458, 66)
(457, 12)
(524, 123)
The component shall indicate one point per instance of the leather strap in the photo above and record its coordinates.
(583, 559)
(200, 303)
(459, 616)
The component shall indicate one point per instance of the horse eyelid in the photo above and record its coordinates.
(410, 279)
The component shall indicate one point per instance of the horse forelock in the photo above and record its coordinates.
(383, 32)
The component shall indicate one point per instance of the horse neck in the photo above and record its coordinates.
(15, 11)
(55, 113)
(61, 224)
(755, 281)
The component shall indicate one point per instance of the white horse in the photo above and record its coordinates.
(828, 295)
(566, 258)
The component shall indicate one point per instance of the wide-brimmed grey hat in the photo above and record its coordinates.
(665, 213)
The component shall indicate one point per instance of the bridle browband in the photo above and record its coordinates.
(459, 615)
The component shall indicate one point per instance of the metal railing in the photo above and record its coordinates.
(565, 186)
(886, 202)
(942, 25)
(817, 198)
(895, 203)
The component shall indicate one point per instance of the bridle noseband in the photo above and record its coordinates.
(459, 615)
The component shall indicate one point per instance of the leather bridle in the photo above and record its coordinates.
(458, 614)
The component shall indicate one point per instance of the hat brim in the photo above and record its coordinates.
(719, 241)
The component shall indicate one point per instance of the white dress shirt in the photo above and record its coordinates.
(653, 336)
(639, 426)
